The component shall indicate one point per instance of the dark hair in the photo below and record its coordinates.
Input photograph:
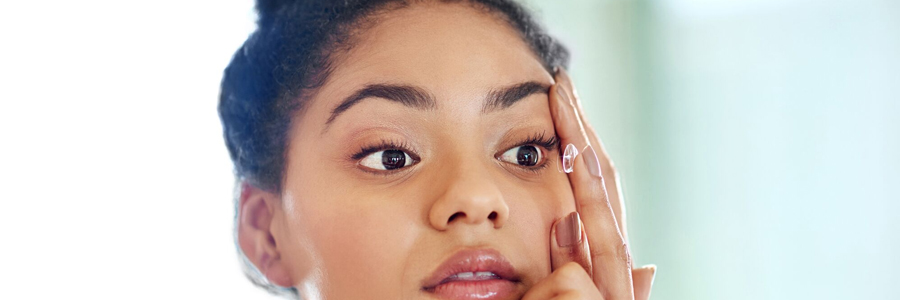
(290, 55)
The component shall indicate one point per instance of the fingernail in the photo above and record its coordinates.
(653, 273)
(590, 158)
(568, 230)
(643, 282)
(568, 158)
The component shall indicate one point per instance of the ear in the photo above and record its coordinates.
(256, 210)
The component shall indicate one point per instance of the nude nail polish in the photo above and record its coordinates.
(590, 159)
(568, 230)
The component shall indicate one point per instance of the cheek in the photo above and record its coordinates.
(563, 198)
(363, 246)
(533, 209)
(552, 197)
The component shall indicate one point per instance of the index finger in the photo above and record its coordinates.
(609, 255)
(607, 168)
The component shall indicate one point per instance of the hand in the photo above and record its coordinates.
(581, 271)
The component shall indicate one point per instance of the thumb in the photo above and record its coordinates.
(568, 243)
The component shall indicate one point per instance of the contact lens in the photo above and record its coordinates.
(568, 158)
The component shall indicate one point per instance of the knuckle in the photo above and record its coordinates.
(618, 252)
(592, 191)
(627, 256)
(611, 171)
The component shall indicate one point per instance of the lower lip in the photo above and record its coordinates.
(476, 289)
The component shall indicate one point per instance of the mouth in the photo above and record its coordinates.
(473, 274)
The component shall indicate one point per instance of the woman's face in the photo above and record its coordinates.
(447, 155)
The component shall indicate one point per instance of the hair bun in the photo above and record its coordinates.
(268, 9)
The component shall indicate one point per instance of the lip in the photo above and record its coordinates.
(501, 286)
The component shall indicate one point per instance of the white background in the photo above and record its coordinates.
(116, 182)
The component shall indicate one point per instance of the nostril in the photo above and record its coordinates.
(456, 215)
(492, 216)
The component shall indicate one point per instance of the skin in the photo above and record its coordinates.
(340, 230)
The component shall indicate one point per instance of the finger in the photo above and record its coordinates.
(642, 277)
(611, 268)
(643, 281)
(568, 243)
(567, 282)
(607, 168)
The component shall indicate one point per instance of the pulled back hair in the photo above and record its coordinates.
(290, 55)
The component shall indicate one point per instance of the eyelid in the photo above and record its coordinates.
(540, 140)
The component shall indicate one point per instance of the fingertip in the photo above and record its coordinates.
(553, 232)
(643, 278)
(569, 243)
(569, 230)
(560, 70)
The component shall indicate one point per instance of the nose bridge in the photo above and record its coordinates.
(471, 196)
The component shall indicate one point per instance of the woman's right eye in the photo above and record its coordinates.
(386, 160)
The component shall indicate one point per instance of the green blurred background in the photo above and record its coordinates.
(758, 140)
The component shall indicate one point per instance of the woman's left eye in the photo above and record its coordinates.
(386, 160)
(525, 155)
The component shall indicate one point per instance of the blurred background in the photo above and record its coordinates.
(758, 141)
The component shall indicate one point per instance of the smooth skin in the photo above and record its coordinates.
(338, 230)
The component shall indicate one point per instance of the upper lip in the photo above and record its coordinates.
(472, 260)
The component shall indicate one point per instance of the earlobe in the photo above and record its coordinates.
(256, 210)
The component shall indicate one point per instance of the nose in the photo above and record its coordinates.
(470, 197)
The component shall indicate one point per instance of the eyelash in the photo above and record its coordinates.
(539, 139)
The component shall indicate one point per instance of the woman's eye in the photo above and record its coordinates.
(387, 160)
(527, 155)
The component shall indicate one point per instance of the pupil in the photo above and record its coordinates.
(393, 159)
(527, 156)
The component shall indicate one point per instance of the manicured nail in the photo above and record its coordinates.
(643, 282)
(568, 230)
(590, 158)
(568, 158)
(653, 273)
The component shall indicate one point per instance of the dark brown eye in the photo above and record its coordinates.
(526, 155)
(387, 160)
(393, 159)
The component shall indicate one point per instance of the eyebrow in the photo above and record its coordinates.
(409, 96)
(419, 98)
(506, 97)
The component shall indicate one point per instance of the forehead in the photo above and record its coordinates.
(452, 50)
